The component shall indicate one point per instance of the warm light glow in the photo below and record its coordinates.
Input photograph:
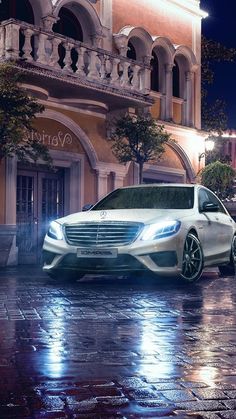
(207, 374)
(180, 6)
(153, 345)
(54, 356)
(209, 145)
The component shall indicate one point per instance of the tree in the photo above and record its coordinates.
(139, 139)
(214, 118)
(17, 113)
(219, 177)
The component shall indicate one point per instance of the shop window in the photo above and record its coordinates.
(176, 80)
(154, 73)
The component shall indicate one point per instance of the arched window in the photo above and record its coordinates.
(68, 25)
(176, 80)
(16, 9)
(131, 53)
(154, 72)
(20, 10)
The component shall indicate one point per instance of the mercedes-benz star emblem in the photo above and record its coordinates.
(103, 214)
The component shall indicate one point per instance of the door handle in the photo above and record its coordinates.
(35, 220)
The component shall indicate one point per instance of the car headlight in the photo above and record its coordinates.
(55, 231)
(162, 229)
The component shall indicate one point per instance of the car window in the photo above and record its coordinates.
(164, 197)
(207, 196)
(215, 200)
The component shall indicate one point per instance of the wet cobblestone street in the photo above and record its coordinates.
(108, 347)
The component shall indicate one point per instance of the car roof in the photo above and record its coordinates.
(161, 185)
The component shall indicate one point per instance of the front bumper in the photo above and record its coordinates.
(163, 257)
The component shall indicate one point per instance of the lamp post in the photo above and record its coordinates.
(209, 146)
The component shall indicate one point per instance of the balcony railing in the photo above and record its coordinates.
(34, 45)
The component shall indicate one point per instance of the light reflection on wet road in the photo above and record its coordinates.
(116, 348)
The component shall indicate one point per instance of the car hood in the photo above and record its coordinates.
(129, 215)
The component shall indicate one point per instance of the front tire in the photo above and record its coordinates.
(192, 264)
(230, 269)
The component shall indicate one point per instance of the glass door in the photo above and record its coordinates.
(40, 199)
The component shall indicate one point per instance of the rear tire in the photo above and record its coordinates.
(230, 269)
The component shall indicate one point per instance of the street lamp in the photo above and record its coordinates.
(209, 145)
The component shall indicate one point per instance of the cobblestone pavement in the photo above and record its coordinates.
(116, 347)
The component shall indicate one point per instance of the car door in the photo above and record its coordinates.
(217, 228)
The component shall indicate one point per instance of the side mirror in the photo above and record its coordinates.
(87, 207)
(209, 207)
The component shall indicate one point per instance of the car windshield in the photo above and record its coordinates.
(163, 197)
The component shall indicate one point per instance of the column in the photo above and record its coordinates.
(92, 67)
(118, 180)
(145, 82)
(106, 20)
(42, 57)
(168, 107)
(67, 60)
(12, 41)
(101, 183)
(2, 41)
(9, 229)
(27, 48)
(48, 22)
(76, 186)
(189, 99)
(54, 57)
(121, 43)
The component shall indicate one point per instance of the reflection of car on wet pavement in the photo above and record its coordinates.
(168, 229)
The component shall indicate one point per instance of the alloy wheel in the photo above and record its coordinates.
(192, 259)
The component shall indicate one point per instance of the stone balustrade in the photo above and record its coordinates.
(29, 43)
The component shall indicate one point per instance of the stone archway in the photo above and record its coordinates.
(77, 131)
(190, 173)
(141, 41)
(86, 15)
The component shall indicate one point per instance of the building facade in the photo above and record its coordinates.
(88, 62)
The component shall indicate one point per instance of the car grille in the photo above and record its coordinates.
(122, 263)
(102, 234)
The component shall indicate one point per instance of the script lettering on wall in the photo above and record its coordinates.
(59, 139)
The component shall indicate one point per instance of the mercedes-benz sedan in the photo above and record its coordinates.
(167, 229)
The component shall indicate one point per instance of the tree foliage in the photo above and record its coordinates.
(214, 52)
(214, 117)
(219, 177)
(139, 139)
(17, 113)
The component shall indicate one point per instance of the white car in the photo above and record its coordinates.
(167, 229)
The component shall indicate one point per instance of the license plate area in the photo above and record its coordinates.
(96, 253)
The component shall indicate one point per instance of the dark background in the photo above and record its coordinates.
(220, 26)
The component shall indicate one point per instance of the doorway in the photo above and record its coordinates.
(39, 200)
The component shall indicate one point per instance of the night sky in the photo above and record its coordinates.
(220, 26)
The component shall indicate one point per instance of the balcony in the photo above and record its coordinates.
(70, 68)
